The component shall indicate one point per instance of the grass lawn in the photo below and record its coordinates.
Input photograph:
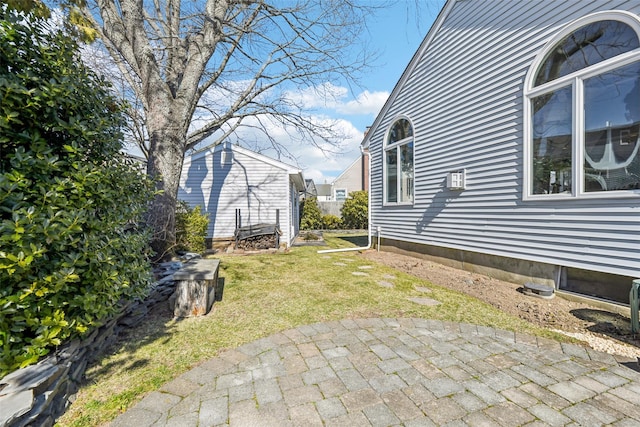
(265, 294)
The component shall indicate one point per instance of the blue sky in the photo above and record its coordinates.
(396, 32)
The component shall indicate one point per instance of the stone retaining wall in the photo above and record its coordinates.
(38, 394)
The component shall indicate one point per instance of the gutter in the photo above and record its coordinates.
(360, 248)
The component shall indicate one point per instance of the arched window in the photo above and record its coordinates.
(399, 163)
(583, 107)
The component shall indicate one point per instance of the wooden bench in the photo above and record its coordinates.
(196, 288)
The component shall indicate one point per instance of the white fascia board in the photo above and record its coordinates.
(261, 157)
(244, 151)
(298, 179)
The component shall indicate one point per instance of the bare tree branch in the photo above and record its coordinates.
(195, 69)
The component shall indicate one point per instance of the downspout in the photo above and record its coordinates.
(360, 248)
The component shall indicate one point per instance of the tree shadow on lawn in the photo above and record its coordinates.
(357, 240)
(156, 325)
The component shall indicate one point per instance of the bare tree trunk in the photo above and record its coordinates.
(229, 60)
(167, 140)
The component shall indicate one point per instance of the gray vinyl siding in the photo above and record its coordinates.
(258, 188)
(464, 96)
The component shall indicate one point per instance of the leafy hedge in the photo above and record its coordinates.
(331, 222)
(355, 211)
(70, 250)
(191, 228)
(311, 215)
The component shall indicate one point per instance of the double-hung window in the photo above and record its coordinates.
(398, 155)
(582, 104)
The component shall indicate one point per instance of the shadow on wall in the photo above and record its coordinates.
(255, 198)
(438, 202)
(196, 191)
(220, 182)
(221, 168)
(196, 175)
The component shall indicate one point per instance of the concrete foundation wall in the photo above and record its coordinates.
(588, 283)
(508, 269)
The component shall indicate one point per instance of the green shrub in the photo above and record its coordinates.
(191, 228)
(70, 248)
(311, 215)
(331, 222)
(355, 211)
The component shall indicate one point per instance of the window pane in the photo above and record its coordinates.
(588, 45)
(406, 165)
(392, 175)
(552, 142)
(400, 130)
(612, 125)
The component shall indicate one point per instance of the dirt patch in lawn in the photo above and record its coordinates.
(309, 238)
(603, 329)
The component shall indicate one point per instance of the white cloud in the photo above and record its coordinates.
(327, 105)
(317, 176)
(318, 160)
(366, 103)
(326, 95)
(335, 98)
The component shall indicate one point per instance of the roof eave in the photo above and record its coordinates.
(446, 9)
(298, 179)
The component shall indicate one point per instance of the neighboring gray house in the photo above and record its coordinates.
(353, 178)
(310, 189)
(510, 145)
(228, 177)
(324, 192)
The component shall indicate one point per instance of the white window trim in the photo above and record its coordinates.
(575, 80)
(387, 147)
(335, 193)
